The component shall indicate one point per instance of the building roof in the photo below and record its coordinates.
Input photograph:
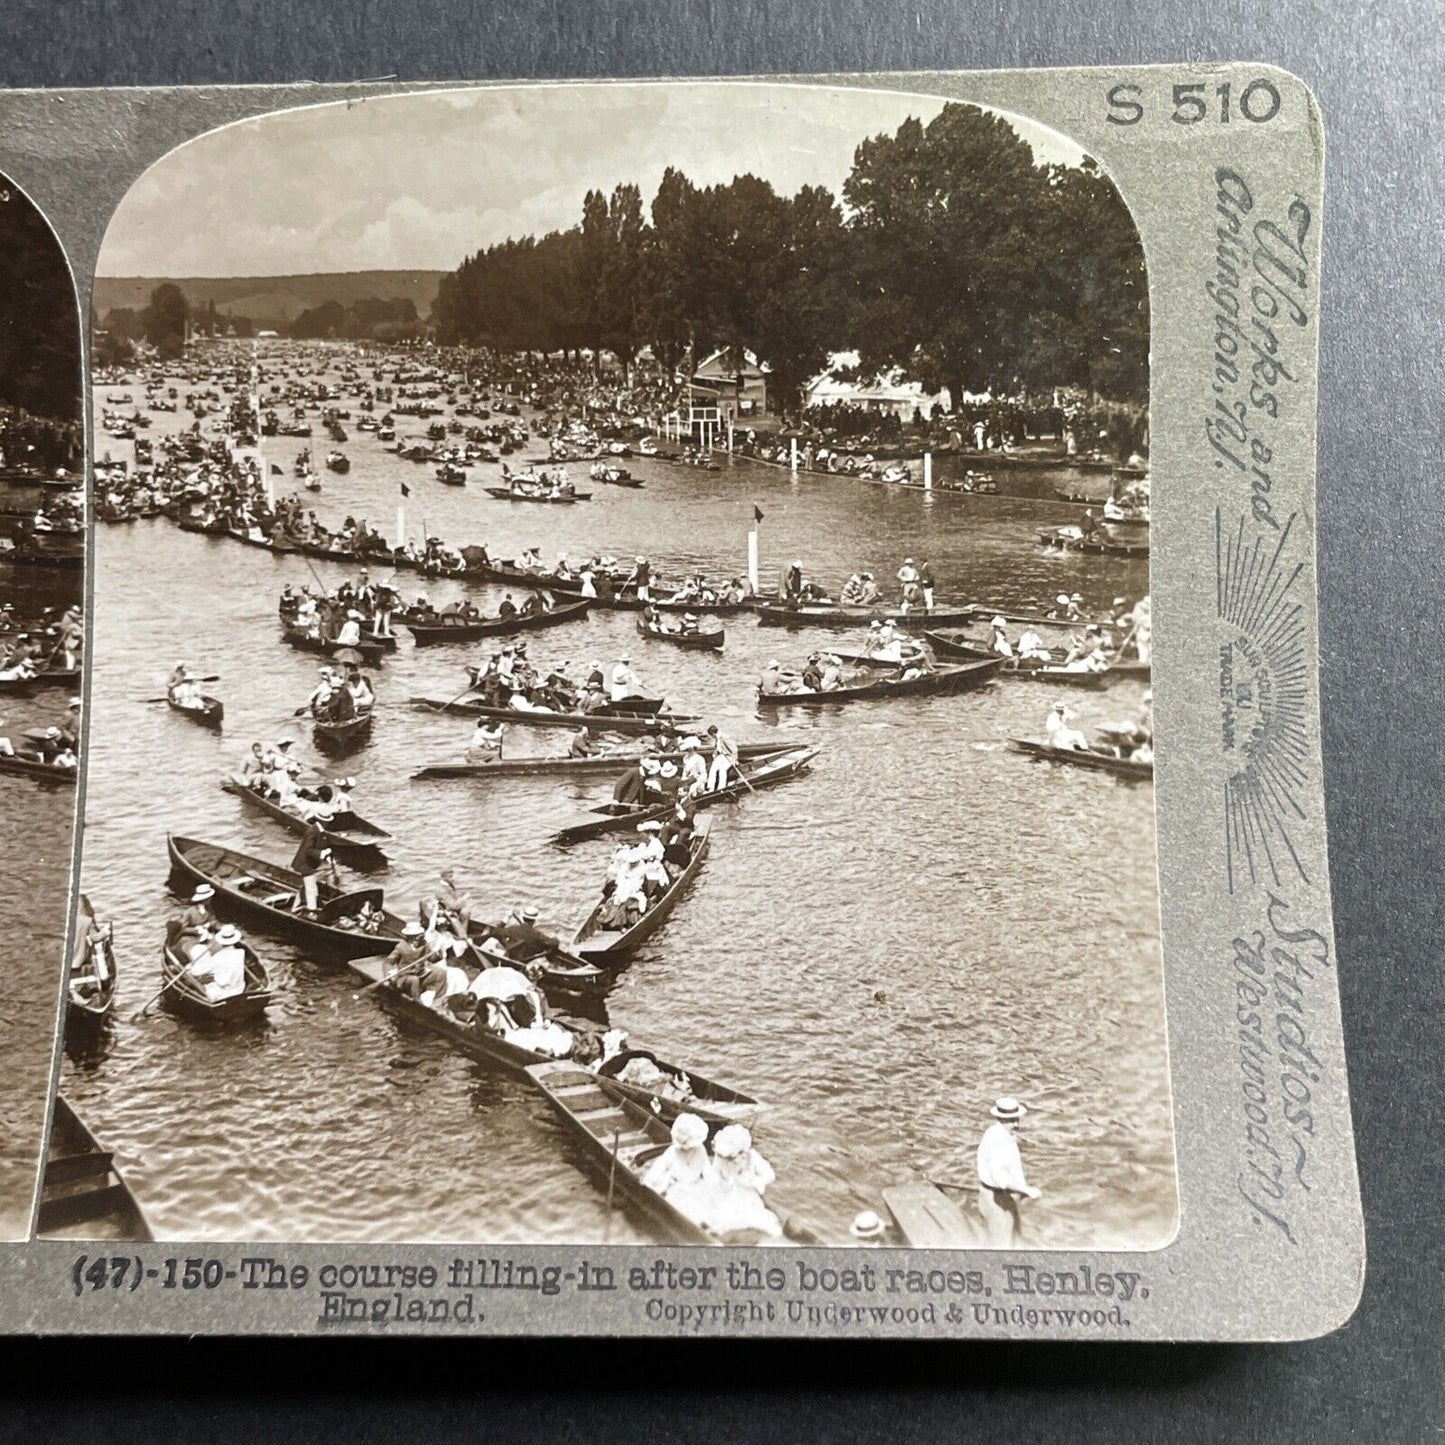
(751, 365)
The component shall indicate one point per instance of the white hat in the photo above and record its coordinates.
(1062, 599)
(203, 892)
(689, 1132)
(867, 1225)
(732, 1142)
(999, 622)
(1008, 1109)
(669, 769)
(651, 826)
(412, 930)
(529, 913)
(228, 933)
(690, 745)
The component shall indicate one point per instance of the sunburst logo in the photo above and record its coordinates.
(1263, 687)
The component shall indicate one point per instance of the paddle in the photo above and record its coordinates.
(209, 677)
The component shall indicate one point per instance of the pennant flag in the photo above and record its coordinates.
(757, 513)
(275, 470)
(405, 490)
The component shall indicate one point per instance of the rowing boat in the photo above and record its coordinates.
(607, 945)
(209, 714)
(32, 765)
(770, 770)
(555, 498)
(87, 1011)
(1094, 758)
(562, 767)
(83, 1195)
(716, 1104)
(605, 720)
(186, 996)
(373, 650)
(941, 681)
(916, 619)
(341, 735)
(271, 895)
(460, 629)
(336, 833)
(1031, 668)
(709, 641)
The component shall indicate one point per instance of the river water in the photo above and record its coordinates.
(877, 950)
(35, 851)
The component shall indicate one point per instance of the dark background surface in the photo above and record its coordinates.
(1377, 73)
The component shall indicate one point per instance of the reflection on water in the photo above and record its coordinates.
(877, 950)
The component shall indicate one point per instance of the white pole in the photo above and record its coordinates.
(928, 471)
(753, 560)
(793, 453)
(730, 436)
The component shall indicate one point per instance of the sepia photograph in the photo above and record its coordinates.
(620, 698)
(42, 632)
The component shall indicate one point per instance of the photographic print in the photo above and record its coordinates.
(621, 705)
(42, 632)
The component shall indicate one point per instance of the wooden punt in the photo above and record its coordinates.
(942, 681)
(210, 714)
(338, 834)
(767, 772)
(605, 945)
(373, 650)
(709, 641)
(1085, 758)
(460, 629)
(83, 1195)
(187, 997)
(634, 724)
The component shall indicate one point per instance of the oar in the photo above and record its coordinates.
(388, 977)
(174, 979)
(209, 677)
(442, 707)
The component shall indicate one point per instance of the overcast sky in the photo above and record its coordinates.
(420, 181)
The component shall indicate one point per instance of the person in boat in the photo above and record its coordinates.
(813, 673)
(771, 682)
(323, 694)
(523, 939)
(1087, 653)
(742, 1177)
(1001, 1180)
(70, 728)
(409, 964)
(313, 858)
(683, 1174)
(94, 974)
(629, 788)
(724, 758)
(689, 624)
(1060, 734)
(349, 633)
(625, 682)
(852, 594)
(641, 578)
(508, 609)
(534, 606)
(587, 580)
(583, 745)
(1088, 525)
(693, 773)
(1031, 647)
(363, 695)
(192, 928)
(793, 583)
(220, 965)
(999, 644)
(486, 743)
(909, 584)
(676, 835)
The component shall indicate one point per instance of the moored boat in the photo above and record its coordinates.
(91, 982)
(83, 1194)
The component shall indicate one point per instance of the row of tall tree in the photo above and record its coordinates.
(163, 323)
(951, 255)
(371, 319)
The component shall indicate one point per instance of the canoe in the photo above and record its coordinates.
(945, 680)
(1085, 758)
(86, 1013)
(709, 641)
(209, 714)
(83, 1195)
(507, 495)
(186, 997)
(269, 895)
(1030, 668)
(361, 853)
(373, 651)
(916, 619)
(32, 765)
(617, 762)
(768, 771)
(340, 737)
(633, 724)
(619, 1138)
(605, 945)
(462, 630)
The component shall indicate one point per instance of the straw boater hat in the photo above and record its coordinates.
(669, 769)
(999, 623)
(1062, 599)
(412, 930)
(228, 933)
(1008, 1110)
(651, 826)
(688, 1132)
(867, 1225)
(529, 914)
(732, 1142)
(202, 893)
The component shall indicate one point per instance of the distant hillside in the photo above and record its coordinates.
(273, 301)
